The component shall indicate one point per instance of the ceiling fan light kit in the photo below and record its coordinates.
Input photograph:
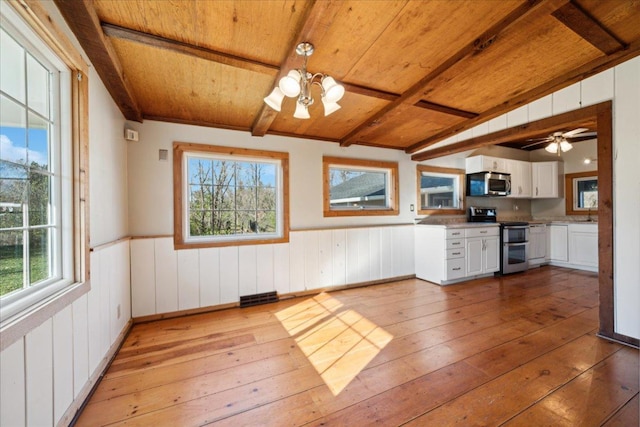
(297, 83)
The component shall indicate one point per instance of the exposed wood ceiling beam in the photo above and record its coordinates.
(83, 21)
(315, 25)
(580, 73)
(577, 118)
(135, 36)
(188, 49)
(415, 93)
(580, 22)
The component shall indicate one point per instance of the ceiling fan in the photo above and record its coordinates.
(560, 142)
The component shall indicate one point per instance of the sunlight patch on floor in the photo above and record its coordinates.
(338, 342)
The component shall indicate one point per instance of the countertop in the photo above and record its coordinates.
(462, 225)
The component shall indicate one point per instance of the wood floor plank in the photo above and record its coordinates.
(519, 348)
(496, 401)
(589, 398)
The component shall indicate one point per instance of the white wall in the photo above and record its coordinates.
(53, 366)
(151, 180)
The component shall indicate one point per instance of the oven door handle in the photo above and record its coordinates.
(516, 243)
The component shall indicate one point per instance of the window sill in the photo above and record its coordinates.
(15, 327)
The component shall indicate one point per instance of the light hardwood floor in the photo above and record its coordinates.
(519, 350)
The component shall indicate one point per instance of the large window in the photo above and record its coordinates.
(229, 196)
(359, 187)
(36, 169)
(440, 190)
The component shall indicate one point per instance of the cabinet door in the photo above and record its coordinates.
(545, 179)
(558, 245)
(524, 169)
(537, 242)
(494, 164)
(583, 248)
(474, 256)
(491, 254)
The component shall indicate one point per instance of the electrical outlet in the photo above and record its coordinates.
(411, 208)
(118, 311)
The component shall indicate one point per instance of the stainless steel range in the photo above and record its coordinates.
(514, 244)
(514, 239)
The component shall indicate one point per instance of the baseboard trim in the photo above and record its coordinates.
(621, 339)
(74, 410)
(288, 295)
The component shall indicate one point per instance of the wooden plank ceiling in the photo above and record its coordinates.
(415, 72)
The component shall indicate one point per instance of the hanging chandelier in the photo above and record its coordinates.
(297, 83)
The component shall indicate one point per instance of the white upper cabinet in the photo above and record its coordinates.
(485, 164)
(520, 178)
(546, 180)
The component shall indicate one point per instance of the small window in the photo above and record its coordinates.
(359, 187)
(440, 190)
(581, 191)
(229, 196)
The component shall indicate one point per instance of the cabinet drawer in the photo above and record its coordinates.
(454, 268)
(455, 243)
(455, 253)
(454, 233)
(482, 232)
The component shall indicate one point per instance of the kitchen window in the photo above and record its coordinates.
(229, 196)
(440, 190)
(353, 187)
(581, 190)
(42, 244)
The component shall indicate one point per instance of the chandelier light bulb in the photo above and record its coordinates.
(552, 148)
(302, 112)
(290, 84)
(329, 107)
(274, 100)
(332, 90)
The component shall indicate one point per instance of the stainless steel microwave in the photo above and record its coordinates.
(488, 184)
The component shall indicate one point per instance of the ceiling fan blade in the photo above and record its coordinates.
(584, 135)
(543, 139)
(573, 132)
(535, 143)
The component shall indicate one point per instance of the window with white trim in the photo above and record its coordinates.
(229, 196)
(36, 217)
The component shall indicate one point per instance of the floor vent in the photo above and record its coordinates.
(257, 299)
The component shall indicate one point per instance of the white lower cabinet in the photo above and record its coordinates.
(574, 246)
(448, 255)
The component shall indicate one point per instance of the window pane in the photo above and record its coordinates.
(223, 172)
(246, 221)
(38, 140)
(200, 171)
(246, 198)
(224, 222)
(200, 197)
(39, 198)
(13, 135)
(39, 241)
(11, 67)
(588, 193)
(223, 197)
(438, 192)
(38, 81)
(200, 223)
(266, 221)
(267, 175)
(267, 198)
(357, 189)
(11, 274)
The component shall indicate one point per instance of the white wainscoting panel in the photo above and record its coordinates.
(143, 277)
(281, 268)
(39, 375)
(518, 116)
(94, 319)
(12, 385)
(541, 108)
(229, 285)
(566, 99)
(313, 259)
(80, 344)
(188, 279)
(62, 361)
(265, 269)
(209, 268)
(598, 88)
(166, 275)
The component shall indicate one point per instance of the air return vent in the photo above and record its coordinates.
(257, 299)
